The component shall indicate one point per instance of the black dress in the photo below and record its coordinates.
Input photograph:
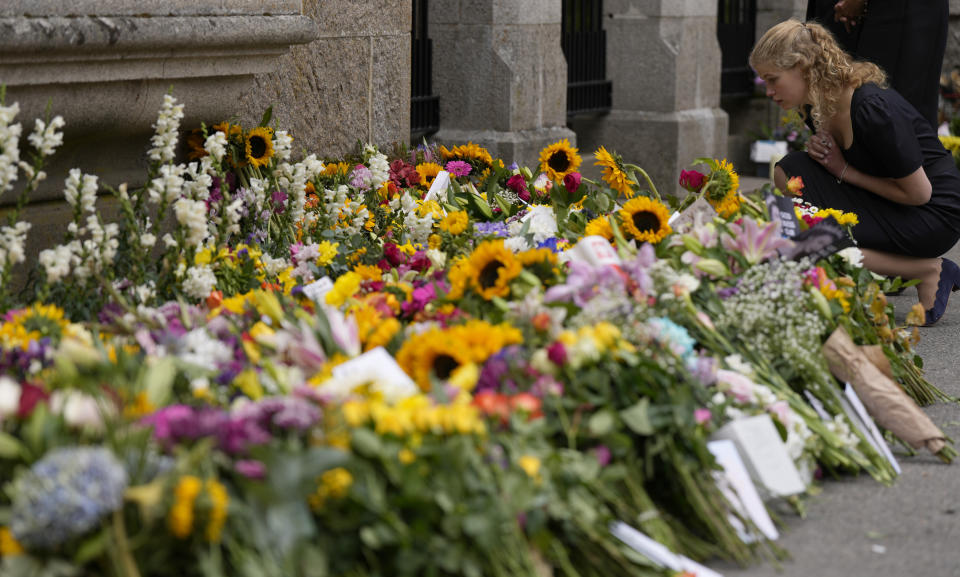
(907, 38)
(890, 140)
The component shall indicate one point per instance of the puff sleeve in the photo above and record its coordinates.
(888, 136)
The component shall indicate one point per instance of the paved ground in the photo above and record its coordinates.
(858, 528)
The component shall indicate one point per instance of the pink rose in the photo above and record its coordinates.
(572, 182)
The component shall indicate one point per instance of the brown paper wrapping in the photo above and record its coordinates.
(875, 354)
(884, 399)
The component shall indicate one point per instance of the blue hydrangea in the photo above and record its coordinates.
(65, 494)
(672, 336)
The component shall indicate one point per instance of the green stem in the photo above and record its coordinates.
(122, 551)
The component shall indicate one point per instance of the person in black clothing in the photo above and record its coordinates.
(906, 38)
(872, 153)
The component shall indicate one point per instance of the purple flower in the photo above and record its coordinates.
(361, 177)
(458, 168)
(756, 243)
(490, 229)
(251, 469)
(557, 353)
(603, 455)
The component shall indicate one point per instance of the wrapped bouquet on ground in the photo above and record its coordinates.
(430, 361)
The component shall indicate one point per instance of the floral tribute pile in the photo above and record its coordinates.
(403, 364)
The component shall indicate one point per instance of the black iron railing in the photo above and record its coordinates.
(736, 32)
(424, 105)
(584, 44)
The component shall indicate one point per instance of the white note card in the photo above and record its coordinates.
(871, 432)
(439, 187)
(764, 454)
(747, 499)
(318, 289)
(656, 552)
(379, 368)
(597, 251)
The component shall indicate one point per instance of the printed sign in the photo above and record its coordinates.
(819, 241)
(781, 209)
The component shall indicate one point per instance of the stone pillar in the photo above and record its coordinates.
(664, 61)
(104, 65)
(500, 74)
(351, 83)
(772, 12)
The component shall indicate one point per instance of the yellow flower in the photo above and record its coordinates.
(474, 154)
(559, 159)
(434, 241)
(259, 146)
(951, 143)
(645, 219)
(345, 287)
(355, 413)
(140, 407)
(180, 517)
(491, 268)
(430, 207)
(613, 172)
(455, 222)
(428, 171)
(328, 252)
(465, 376)
(728, 205)
(336, 169)
(368, 272)
(9, 546)
(333, 484)
(530, 466)
(406, 456)
(721, 182)
(219, 500)
(599, 226)
(248, 383)
(382, 334)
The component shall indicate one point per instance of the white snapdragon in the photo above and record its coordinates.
(232, 214)
(9, 146)
(273, 266)
(168, 186)
(199, 348)
(56, 262)
(147, 240)
(379, 166)
(199, 282)
(192, 216)
(216, 145)
(12, 241)
(9, 397)
(46, 138)
(197, 181)
(282, 145)
(166, 128)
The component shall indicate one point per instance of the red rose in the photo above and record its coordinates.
(692, 180)
(572, 182)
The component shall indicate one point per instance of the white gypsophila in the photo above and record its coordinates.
(379, 166)
(9, 146)
(168, 186)
(543, 222)
(197, 181)
(852, 256)
(216, 145)
(56, 262)
(199, 282)
(46, 138)
(273, 266)
(12, 242)
(282, 145)
(736, 363)
(199, 348)
(192, 216)
(166, 128)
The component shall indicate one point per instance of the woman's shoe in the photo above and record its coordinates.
(949, 282)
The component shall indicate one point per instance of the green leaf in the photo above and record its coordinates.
(10, 446)
(601, 423)
(267, 116)
(637, 417)
(477, 202)
(92, 548)
(366, 443)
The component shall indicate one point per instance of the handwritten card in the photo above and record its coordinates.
(747, 500)
(318, 289)
(378, 368)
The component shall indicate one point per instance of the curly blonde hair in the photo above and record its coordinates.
(826, 68)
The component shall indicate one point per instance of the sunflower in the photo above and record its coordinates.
(434, 353)
(441, 352)
(229, 130)
(542, 262)
(723, 180)
(599, 226)
(645, 219)
(470, 152)
(195, 140)
(490, 269)
(428, 171)
(727, 206)
(259, 146)
(33, 323)
(613, 172)
(559, 159)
